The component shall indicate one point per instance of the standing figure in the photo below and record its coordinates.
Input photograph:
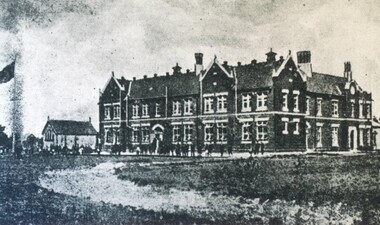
(262, 145)
(221, 150)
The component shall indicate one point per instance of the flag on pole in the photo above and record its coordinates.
(7, 73)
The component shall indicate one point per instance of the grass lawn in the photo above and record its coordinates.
(323, 180)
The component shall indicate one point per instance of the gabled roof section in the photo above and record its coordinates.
(215, 61)
(289, 59)
(71, 127)
(122, 83)
(155, 87)
(326, 84)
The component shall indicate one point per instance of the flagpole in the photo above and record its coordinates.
(14, 112)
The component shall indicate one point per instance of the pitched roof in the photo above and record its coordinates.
(326, 84)
(177, 85)
(255, 76)
(70, 127)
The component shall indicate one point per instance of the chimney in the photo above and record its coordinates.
(271, 56)
(347, 71)
(145, 76)
(113, 74)
(134, 78)
(176, 69)
(48, 118)
(304, 62)
(187, 71)
(198, 67)
(254, 62)
(239, 63)
(281, 59)
(89, 119)
(167, 74)
(155, 75)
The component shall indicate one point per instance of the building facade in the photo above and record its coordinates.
(279, 102)
(69, 133)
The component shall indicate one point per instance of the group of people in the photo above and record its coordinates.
(257, 146)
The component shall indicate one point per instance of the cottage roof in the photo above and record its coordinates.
(71, 127)
(255, 76)
(326, 84)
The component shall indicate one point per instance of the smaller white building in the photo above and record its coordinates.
(69, 133)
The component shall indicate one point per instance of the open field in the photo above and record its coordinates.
(279, 190)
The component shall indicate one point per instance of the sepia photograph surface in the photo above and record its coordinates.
(189, 112)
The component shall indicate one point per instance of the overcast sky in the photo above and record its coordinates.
(67, 49)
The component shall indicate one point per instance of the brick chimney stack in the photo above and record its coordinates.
(304, 62)
(271, 56)
(347, 71)
(198, 67)
(176, 69)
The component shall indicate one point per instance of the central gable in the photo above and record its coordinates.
(217, 78)
(111, 92)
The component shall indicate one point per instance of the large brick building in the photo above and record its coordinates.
(280, 102)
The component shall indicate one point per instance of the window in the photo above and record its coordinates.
(334, 135)
(221, 132)
(307, 106)
(145, 134)
(319, 107)
(135, 135)
(135, 110)
(145, 112)
(49, 136)
(176, 133)
(368, 111)
(116, 111)
(176, 108)
(246, 103)
(158, 109)
(246, 131)
(209, 107)
(222, 104)
(262, 101)
(296, 94)
(352, 108)
(188, 107)
(285, 122)
(262, 130)
(335, 108)
(296, 122)
(319, 135)
(188, 132)
(361, 136)
(116, 138)
(361, 107)
(368, 137)
(209, 132)
(109, 136)
(285, 100)
(107, 112)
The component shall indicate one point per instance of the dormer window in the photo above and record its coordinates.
(135, 110)
(246, 103)
(176, 108)
(296, 94)
(188, 107)
(222, 104)
(319, 106)
(285, 93)
(145, 112)
(116, 111)
(335, 108)
(262, 101)
(107, 112)
(158, 110)
(209, 106)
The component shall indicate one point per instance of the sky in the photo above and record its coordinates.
(66, 50)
